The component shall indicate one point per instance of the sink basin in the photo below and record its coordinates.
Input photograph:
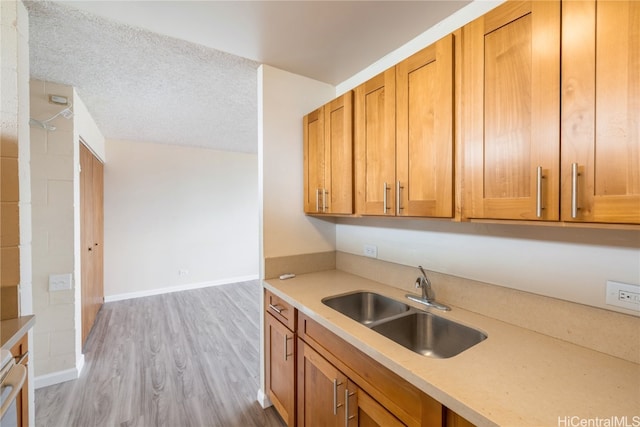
(430, 335)
(366, 307)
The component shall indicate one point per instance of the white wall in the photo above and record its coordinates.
(283, 99)
(567, 263)
(55, 192)
(170, 208)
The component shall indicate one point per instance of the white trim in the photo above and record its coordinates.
(80, 364)
(56, 378)
(263, 399)
(170, 289)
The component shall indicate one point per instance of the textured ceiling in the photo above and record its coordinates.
(157, 70)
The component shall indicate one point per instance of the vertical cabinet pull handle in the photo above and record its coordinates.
(325, 193)
(385, 208)
(347, 417)
(539, 178)
(399, 188)
(574, 190)
(336, 405)
(317, 200)
(286, 354)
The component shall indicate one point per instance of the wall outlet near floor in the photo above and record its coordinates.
(371, 251)
(59, 282)
(623, 295)
(183, 272)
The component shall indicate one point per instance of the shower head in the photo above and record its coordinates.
(67, 113)
(43, 125)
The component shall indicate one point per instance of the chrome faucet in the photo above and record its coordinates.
(428, 296)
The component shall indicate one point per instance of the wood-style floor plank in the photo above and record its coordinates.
(181, 359)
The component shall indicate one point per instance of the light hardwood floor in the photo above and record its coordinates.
(182, 359)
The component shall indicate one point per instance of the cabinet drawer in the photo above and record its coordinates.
(280, 309)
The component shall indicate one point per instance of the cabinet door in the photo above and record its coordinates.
(338, 136)
(601, 111)
(424, 132)
(375, 145)
(314, 160)
(321, 389)
(510, 119)
(363, 411)
(20, 351)
(280, 367)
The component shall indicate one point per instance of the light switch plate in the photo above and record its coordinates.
(59, 282)
(623, 295)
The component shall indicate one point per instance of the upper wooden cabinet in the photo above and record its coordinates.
(328, 157)
(404, 137)
(601, 111)
(424, 132)
(510, 117)
(375, 144)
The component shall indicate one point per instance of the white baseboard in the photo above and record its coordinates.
(263, 399)
(56, 378)
(167, 290)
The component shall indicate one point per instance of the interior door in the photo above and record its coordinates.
(91, 237)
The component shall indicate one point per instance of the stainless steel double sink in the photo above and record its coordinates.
(417, 330)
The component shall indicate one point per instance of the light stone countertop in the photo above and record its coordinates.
(12, 330)
(516, 377)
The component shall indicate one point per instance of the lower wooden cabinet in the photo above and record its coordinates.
(20, 351)
(327, 397)
(280, 356)
(315, 378)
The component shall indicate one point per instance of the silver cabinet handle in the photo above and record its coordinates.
(336, 405)
(384, 198)
(539, 178)
(324, 199)
(317, 199)
(347, 417)
(398, 198)
(286, 354)
(277, 309)
(574, 190)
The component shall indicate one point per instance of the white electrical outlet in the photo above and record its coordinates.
(59, 282)
(371, 251)
(623, 295)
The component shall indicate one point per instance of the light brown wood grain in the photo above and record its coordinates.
(20, 351)
(375, 144)
(338, 128)
(403, 400)
(600, 110)
(316, 378)
(510, 111)
(314, 158)
(370, 413)
(91, 237)
(280, 367)
(424, 131)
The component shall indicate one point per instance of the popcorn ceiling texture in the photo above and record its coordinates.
(143, 86)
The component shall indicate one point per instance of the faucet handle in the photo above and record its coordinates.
(419, 282)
